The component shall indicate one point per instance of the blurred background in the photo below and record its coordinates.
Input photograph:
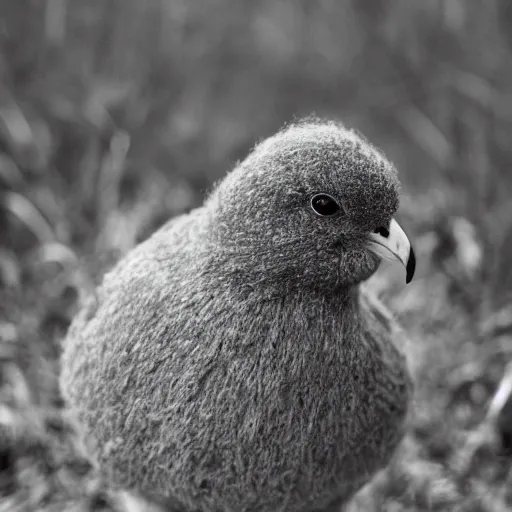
(116, 115)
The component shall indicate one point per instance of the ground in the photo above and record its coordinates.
(115, 116)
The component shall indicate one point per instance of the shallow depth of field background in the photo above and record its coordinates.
(117, 114)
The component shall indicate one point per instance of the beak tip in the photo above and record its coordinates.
(411, 266)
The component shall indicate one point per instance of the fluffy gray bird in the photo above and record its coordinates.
(232, 361)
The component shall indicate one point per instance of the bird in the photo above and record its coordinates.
(236, 360)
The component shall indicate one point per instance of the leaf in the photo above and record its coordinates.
(10, 172)
(26, 212)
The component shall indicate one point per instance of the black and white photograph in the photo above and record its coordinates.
(255, 256)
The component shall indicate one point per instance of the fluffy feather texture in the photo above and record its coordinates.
(232, 361)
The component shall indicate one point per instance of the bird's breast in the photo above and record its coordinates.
(288, 400)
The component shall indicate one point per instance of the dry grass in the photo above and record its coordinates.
(115, 115)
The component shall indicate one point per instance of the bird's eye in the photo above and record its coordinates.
(324, 205)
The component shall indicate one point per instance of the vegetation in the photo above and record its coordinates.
(118, 114)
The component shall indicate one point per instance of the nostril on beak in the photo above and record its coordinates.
(382, 231)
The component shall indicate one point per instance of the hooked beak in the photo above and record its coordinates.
(393, 244)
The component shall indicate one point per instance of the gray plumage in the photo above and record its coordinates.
(232, 361)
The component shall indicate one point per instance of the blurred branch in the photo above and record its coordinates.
(28, 214)
(480, 91)
(10, 173)
(55, 21)
(502, 395)
(426, 135)
(15, 127)
(110, 174)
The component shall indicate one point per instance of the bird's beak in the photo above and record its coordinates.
(393, 244)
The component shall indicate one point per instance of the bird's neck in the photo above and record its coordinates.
(244, 273)
(297, 304)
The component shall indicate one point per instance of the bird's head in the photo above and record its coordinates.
(311, 206)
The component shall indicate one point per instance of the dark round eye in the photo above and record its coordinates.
(324, 205)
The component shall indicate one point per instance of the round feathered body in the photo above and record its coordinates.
(232, 361)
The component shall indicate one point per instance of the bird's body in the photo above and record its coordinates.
(229, 376)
